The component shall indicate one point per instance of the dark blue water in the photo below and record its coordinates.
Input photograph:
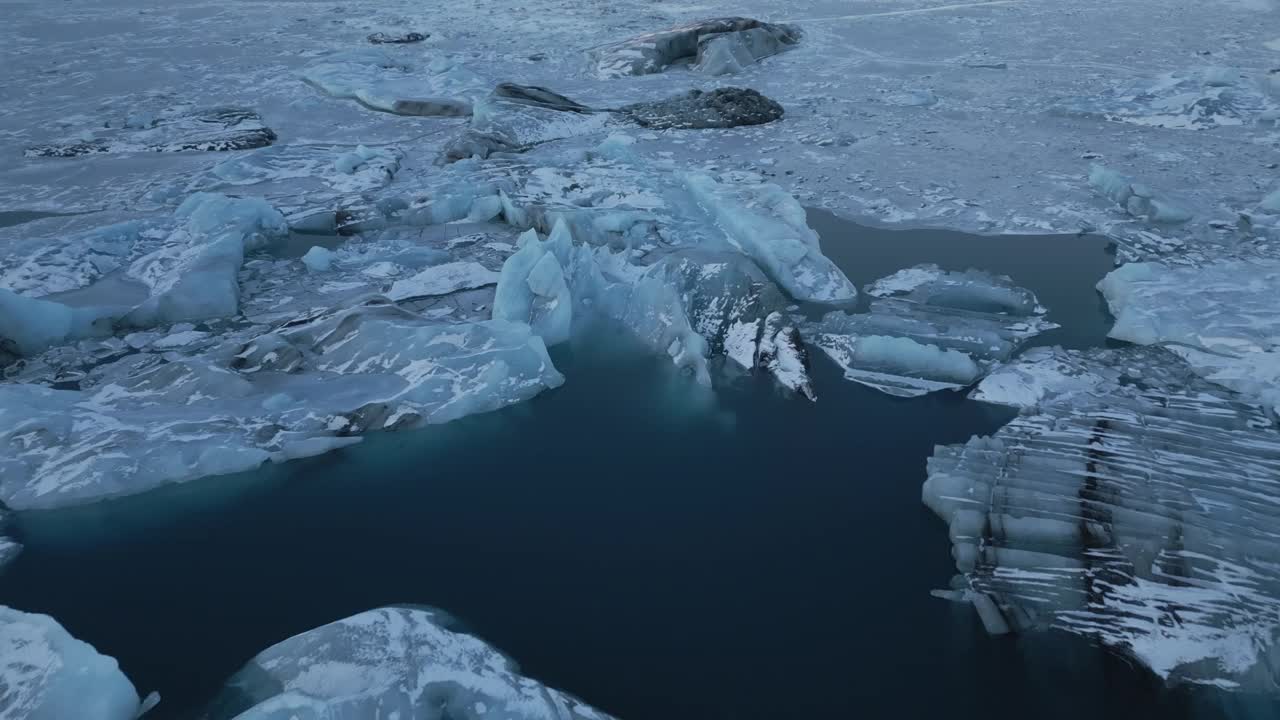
(657, 552)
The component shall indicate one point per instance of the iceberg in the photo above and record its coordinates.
(716, 47)
(1132, 503)
(393, 662)
(47, 674)
(373, 78)
(766, 224)
(928, 330)
(1227, 328)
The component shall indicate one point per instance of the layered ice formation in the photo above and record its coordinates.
(1220, 316)
(927, 330)
(1135, 504)
(393, 662)
(715, 47)
(46, 674)
(206, 130)
(441, 87)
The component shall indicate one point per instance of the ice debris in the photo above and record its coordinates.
(382, 38)
(442, 87)
(205, 130)
(46, 674)
(1220, 316)
(515, 118)
(318, 259)
(928, 329)
(716, 47)
(405, 662)
(1135, 504)
(1136, 199)
(1193, 99)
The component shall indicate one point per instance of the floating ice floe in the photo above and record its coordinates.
(206, 130)
(146, 418)
(46, 674)
(716, 47)
(929, 330)
(1135, 198)
(1197, 99)
(393, 662)
(1134, 504)
(1222, 317)
(442, 86)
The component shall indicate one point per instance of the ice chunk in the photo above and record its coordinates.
(514, 118)
(193, 275)
(532, 289)
(1138, 200)
(768, 225)
(1136, 506)
(782, 353)
(29, 325)
(46, 674)
(208, 129)
(172, 418)
(1271, 202)
(379, 82)
(318, 259)
(1220, 316)
(401, 662)
(716, 46)
(443, 279)
(930, 330)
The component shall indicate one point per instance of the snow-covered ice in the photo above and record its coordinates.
(1221, 316)
(393, 662)
(46, 674)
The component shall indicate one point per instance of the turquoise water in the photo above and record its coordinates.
(657, 551)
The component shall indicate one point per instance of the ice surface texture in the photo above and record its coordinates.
(308, 387)
(930, 330)
(1220, 316)
(393, 662)
(45, 674)
(1136, 504)
(208, 130)
(716, 47)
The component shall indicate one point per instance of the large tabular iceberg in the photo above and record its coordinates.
(394, 662)
(1134, 503)
(46, 674)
